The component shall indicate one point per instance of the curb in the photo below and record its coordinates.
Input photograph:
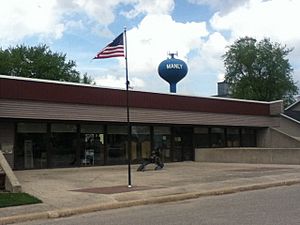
(66, 212)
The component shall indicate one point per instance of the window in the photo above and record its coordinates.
(91, 144)
(248, 137)
(201, 137)
(91, 129)
(217, 137)
(233, 137)
(32, 128)
(31, 139)
(63, 145)
(63, 128)
(140, 143)
(117, 144)
(162, 141)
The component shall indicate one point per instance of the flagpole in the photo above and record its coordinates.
(127, 109)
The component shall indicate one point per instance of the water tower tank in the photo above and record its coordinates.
(172, 70)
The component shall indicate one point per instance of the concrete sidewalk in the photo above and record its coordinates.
(66, 192)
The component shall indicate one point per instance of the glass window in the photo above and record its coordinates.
(140, 130)
(117, 130)
(64, 145)
(140, 143)
(233, 137)
(91, 144)
(201, 137)
(162, 130)
(116, 144)
(162, 141)
(248, 137)
(31, 140)
(63, 128)
(217, 137)
(32, 128)
(91, 128)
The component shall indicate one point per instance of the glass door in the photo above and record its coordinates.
(63, 145)
(182, 144)
(140, 143)
(162, 141)
(92, 144)
(117, 144)
(31, 139)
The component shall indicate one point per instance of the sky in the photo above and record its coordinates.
(199, 30)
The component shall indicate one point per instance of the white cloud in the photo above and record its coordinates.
(150, 7)
(221, 77)
(100, 11)
(20, 19)
(50, 19)
(209, 57)
(224, 6)
(119, 82)
(276, 19)
(111, 81)
(156, 35)
(206, 67)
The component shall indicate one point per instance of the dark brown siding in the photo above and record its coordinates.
(78, 94)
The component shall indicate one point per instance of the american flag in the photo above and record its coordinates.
(113, 49)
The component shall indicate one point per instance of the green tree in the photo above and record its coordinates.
(259, 71)
(87, 79)
(39, 62)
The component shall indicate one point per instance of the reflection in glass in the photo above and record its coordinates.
(63, 144)
(248, 137)
(217, 137)
(140, 143)
(201, 137)
(92, 144)
(233, 137)
(31, 139)
(162, 140)
(116, 144)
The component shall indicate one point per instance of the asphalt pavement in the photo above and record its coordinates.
(72, 191)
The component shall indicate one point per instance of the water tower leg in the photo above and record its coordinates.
(173, 88)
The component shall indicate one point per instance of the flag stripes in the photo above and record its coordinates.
(114, 49)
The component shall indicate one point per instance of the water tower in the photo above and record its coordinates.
(172, 70)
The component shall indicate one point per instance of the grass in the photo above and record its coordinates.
(15, 199)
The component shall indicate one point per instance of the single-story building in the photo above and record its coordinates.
(50, 124)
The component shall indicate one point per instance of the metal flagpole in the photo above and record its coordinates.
(116, 49)
(128, 119)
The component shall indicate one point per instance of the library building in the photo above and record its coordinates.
(50, 124)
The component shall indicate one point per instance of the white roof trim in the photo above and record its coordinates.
(289, 118)
(52, 81)
(292, 105)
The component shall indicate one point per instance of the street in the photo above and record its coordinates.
(273, 206)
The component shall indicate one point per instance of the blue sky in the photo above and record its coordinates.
(199, 30)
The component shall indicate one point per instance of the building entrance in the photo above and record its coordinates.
(30, 148)
(182, 144)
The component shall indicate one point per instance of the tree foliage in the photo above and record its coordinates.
(259, 71)
(39, 62)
